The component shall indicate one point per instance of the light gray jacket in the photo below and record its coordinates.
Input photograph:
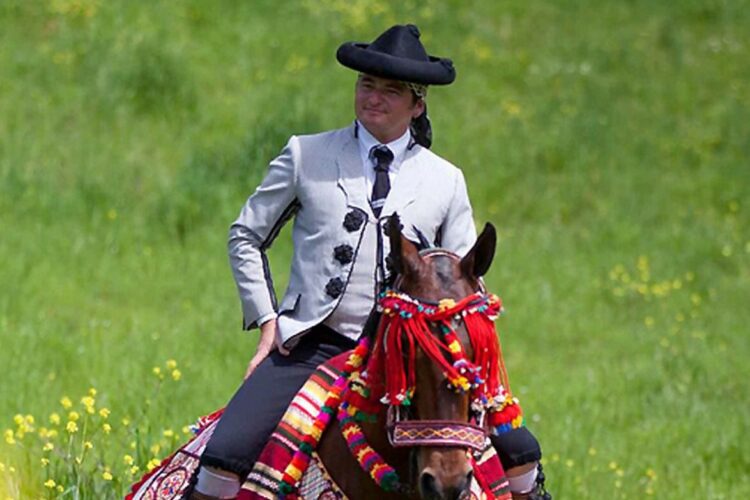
(319, 180)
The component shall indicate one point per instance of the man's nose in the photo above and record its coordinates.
(375, 96)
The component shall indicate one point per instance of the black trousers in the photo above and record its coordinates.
(256, 408)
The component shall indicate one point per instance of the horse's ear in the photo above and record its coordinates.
(404, 255)
(477, 262)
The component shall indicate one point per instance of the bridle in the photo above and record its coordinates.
(403, 432)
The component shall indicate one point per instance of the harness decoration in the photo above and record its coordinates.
(380, 376)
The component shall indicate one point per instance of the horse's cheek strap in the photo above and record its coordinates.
(437, 433)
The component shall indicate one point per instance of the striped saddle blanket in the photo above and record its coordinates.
(172, 477)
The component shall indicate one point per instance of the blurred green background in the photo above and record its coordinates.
(608, 141)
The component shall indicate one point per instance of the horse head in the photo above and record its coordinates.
(441, 279)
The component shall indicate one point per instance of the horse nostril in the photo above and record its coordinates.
(469, 479)
(462, 490)
(428, 486)
(466, 488)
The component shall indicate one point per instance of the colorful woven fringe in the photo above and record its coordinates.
(364, 391)
(407, 324)
(295, 469)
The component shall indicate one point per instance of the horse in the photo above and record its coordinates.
(434, 470)
(431, 354)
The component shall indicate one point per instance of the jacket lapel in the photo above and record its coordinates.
(351, 178)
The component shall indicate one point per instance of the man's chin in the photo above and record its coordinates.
(370, 124)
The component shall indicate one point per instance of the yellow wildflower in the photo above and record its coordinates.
(45, 462)
(66, 402)
(43, 432)
(89, 404)
(9, 438)
(87, 445)
(73, 416)
(92, 392)
(171, 364)
(104, 413)
(128, 460)
(48, 446)
(54, 419)
(71, 427)
(168, 433)
(134, 470)
(155, 449)
(156, 371)
(106, 428)
(18, 419)
(152, 464)
(52, 433)
(125, 422)
(49, 483)
(106, 475)
(176, 375)
(60, 488)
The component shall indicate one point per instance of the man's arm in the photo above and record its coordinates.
(458, 232)
(259, 222)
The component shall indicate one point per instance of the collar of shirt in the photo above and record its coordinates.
(367, 142)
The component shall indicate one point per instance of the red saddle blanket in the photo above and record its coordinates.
(171, 478)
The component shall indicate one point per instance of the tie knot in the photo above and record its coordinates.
(383, 157)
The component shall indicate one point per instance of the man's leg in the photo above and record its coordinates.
(255, 410)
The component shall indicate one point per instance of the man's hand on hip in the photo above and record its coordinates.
(266, 344)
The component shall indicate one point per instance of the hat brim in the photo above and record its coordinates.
(357, 56)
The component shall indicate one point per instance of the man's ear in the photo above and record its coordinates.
(419, 108)
(477, 261)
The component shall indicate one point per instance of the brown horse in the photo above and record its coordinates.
(429, 472)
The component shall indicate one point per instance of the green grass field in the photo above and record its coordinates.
(608, 141)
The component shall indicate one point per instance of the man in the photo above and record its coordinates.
(340, 187)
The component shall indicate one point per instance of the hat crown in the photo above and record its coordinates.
(397, 54)
(401, 41)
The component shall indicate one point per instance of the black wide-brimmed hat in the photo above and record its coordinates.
(399, 55)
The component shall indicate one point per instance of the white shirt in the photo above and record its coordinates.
(367, 142)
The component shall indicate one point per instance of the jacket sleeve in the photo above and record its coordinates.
(458, 233)
(259, 222)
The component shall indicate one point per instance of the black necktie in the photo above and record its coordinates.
(382, 157)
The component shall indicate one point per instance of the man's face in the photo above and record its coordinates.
(385, 107)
